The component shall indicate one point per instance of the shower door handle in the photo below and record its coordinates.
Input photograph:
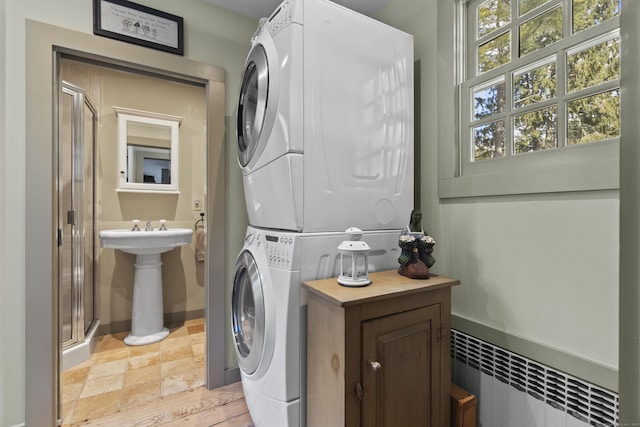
(71, 217)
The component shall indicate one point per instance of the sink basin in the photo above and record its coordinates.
(145, 242)
(147, 316)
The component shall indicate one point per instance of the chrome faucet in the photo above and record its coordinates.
(135, 225)
(149, 227)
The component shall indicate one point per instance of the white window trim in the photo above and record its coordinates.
(585, 167)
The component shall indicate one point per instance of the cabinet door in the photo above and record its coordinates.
(401, 369)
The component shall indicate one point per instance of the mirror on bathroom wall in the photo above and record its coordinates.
(147, 151)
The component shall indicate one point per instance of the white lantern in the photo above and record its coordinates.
(354, 260)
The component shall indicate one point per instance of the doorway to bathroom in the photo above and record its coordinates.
(100, 373)
(46, 45)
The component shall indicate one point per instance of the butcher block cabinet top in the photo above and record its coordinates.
(378, 356)
(385, 284)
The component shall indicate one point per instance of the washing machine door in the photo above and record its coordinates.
(248, 313)
(252, 103)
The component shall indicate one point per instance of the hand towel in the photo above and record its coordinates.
(200, 244)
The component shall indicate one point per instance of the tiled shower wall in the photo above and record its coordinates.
(514, 391)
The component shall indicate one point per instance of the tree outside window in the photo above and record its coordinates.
(543, 75)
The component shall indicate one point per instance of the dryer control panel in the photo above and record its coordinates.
(279, 250)
(281, 17)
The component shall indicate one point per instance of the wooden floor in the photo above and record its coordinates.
(222, 407)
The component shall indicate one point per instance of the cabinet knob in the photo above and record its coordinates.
(375, 366)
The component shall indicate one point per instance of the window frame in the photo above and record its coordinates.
(583, 167)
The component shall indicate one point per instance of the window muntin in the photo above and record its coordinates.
(549, 84)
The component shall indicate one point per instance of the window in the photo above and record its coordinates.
(540, 86)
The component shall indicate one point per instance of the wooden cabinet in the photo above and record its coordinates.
(379, 355)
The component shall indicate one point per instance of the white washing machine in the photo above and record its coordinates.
(324, 121)
(269, 313)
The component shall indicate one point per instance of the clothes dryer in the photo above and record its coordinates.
(324, 121)
(269, 313)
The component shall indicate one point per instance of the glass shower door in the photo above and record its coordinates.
(77, 214)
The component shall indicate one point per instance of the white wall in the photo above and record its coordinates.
(212, 35)
(540, 268)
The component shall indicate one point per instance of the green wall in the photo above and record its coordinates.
(539, 272)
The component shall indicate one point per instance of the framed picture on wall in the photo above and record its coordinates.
(134, 23)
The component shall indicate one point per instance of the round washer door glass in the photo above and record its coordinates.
(247, 311)
(252, 103)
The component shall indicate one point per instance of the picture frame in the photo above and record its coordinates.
(134, 23)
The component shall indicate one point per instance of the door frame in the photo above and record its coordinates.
(45, 43)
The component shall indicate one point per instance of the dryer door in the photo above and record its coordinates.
(252, 103)
(248, 313)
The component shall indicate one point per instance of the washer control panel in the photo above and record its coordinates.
(279, 250)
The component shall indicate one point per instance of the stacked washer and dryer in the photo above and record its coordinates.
(324, 129)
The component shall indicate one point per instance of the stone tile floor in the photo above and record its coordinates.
(117, 375)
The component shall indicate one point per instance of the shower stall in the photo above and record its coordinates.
(77, 119)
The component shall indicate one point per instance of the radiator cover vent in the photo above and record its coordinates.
(586, 402)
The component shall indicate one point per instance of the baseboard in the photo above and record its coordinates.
(587, 370)
(169, 319)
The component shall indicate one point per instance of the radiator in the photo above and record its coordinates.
(514, 391)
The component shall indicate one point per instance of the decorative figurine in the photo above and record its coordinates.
(415, 259)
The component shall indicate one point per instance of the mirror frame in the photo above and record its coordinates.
(129, 115)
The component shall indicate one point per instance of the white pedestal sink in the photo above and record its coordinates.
(147, 312)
